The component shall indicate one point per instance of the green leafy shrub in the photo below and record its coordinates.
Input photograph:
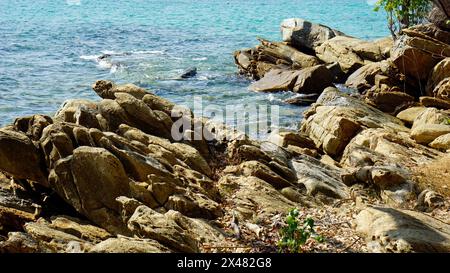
(294, 234)
(404, 13)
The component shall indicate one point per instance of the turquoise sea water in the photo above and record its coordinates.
(48, 49)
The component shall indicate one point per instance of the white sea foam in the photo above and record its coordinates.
(113, 53)
(200, 59)
(105, 64)
(273, 98)
(114, 68)
(149, 52)
(89, 57)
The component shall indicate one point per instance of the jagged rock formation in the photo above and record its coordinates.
(113, 181)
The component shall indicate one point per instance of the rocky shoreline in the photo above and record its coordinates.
(371, 168)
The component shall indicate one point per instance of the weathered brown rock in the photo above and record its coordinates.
(385, 44)
(158, 103)
(308, 80)
(364, 77)
(261, 171)
(151, 224)
(430, 30)
(350, 53)
(72, 180)
(256, 62)
(20, 157)
(313, 80)
(276, 80)
(439, 73)
(336, 118)
(415, 57)
(425, 134)
(442, 89)
(319, 178)
(439, 14)
(389, 101)
(286, 138)
(442, 142)
(302, 99)
(129, 245)
(107, 89)
(32, 126)
(390, 147)
(54, 239)
(253, 197)
(21, 242)
(435, 102)
(143, 117)
(409, 115)
(391, 230)
(431, 116)
(290, 55)
(302, 34)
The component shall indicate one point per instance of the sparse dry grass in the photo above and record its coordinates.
(435, 176)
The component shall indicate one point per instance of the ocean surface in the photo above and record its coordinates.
(49, 49)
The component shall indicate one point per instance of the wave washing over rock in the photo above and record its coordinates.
(371, 167)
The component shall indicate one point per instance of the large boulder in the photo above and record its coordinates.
(429, 30)
(416, 56)
(435, 102)
(442, 142)
(319, 177)
(389, 101)
(439, 15)
(20, 157)
(148, 223)
(58, 234)
(286, 53)
(350, 53)
(442, 89)
(143, 117)
(67, 110)
(33, 125)
(439, 73)
(364, 77)
(107, 89)
(288, 138)
(90, 180)
(409, 115)
(258, 61)
(129, 245)
(276, 80)
(431, 116)
(336, 118)
(303, 34)
(313, 80)
(309, 80)
(378, 145)
(391, 230)
(253, 198)
(425, 134)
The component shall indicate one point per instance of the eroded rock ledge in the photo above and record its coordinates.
(106, 176)
(390, 75)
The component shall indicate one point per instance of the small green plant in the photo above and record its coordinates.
(447, 121)
(294, 235)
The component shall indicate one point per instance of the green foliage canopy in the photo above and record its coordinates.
(404, 13)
